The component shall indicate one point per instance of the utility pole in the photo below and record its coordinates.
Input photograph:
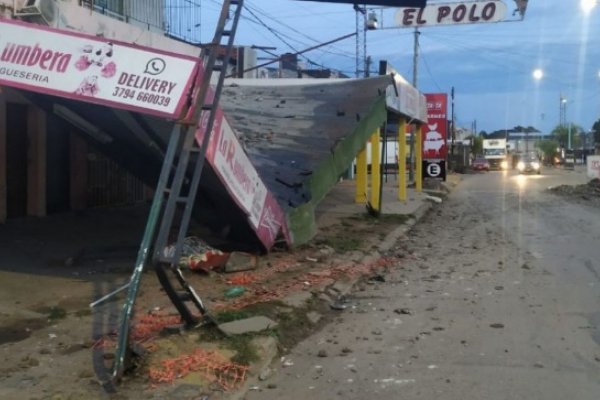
(361, 40)
(416, 58)
(411, 170)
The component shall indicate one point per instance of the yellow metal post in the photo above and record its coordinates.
(361, 176)
(376, 170)
(419, 159)
(402, 159)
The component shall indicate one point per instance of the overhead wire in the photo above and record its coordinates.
(429, 70)
(305, 44)
(280, 36)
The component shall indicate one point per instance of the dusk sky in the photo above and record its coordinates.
(490, 64)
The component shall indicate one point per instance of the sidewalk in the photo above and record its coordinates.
(340, 203)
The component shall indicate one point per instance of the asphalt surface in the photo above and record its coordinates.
(495, 296)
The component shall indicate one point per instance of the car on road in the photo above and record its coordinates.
(529, 163)
(480, 164)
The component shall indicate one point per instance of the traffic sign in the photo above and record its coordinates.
(434, 169)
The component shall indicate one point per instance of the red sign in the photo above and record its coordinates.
(436, 130)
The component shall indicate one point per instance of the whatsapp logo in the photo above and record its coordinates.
(155, 66)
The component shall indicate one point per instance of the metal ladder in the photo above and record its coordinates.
(176, 190)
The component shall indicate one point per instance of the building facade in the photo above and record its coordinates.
(47, 165)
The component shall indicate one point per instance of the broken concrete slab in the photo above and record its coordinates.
(248, 325)
(239, 261)
(313, 317)
(297, 300)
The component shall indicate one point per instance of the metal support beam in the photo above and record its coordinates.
(419, 158)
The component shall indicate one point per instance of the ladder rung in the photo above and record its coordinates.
(208, 107)
(226, 33)
(182, 199)
(165, 259)
(184, 296)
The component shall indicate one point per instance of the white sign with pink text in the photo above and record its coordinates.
(94, 69)
(593, 167)
(231, 163)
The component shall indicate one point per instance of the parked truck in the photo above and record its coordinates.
(494, 150)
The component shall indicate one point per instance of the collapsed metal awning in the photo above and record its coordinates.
(301, 135)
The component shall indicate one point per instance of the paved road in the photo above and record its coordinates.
(497, 296)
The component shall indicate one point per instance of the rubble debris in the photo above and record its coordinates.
(286, 362)
(338, 306)
(239, 261)
(235, 292)
(198, 255)
(433, 199)
(258, 294)
(265, 374)
(376, 278)
(589, 192)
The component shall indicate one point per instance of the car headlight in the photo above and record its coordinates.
(504, 164)
(520, 165)
(535, 165)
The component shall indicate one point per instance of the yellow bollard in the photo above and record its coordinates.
(402, 160)
(376, 170)
(360, 195)
(419, 159)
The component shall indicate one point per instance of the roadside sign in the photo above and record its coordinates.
(434, 169)
(569, 159)
(436, 133)
(593, 167)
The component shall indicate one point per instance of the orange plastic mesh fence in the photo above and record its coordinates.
(209, 364)
(257, 293)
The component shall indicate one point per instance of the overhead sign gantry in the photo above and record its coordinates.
(387, 3)
(457, 13)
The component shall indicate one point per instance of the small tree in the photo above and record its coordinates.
(561, 134)
(596, 132)
(549, 148)
(476, 144)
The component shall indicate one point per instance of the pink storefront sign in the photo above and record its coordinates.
(94, 69)
(233, 167)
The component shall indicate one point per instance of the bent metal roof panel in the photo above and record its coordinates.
(301, 134)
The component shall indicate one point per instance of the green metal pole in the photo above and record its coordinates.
(143, 252)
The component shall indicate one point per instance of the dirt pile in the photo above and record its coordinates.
(589, 192)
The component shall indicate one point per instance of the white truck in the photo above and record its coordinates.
(494, 150)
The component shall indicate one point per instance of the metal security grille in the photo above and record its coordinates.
(148, 14)
(111, 185)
